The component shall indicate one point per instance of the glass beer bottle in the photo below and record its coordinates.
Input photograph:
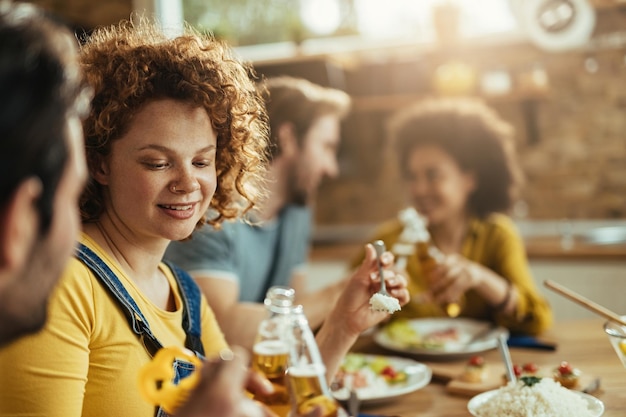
(429, 255)
(306, 374)
(270, 352)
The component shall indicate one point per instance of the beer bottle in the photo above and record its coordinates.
(270, 352)
(306, 374)
(415, 238)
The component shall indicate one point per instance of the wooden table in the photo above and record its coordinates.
(583, 343)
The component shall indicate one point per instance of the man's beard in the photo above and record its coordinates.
(24, 304)
(296, 194)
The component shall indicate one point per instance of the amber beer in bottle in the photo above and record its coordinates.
(306, 374)
(270, 353)
(416, 237)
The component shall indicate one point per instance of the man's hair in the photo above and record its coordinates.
(39, 84)
(474, 136)
(133, 63)
(300, 102)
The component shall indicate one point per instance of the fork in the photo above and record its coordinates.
(353, 403)
(379, 245)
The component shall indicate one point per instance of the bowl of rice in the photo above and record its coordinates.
(545, 398)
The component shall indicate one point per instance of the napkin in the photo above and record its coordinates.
(530, 342)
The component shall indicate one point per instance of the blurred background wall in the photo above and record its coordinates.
(568, 106)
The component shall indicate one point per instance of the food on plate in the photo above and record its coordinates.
(367, 374)
(532, 396)
(527, 369)
(566, 375)
(382, 302)
(401, 332)
(475, 370)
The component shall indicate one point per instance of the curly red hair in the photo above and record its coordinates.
(130, 64)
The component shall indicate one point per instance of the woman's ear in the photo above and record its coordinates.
(100, 172)
(19, 224)
(470, 181)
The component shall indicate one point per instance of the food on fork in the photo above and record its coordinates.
(381, 302)
(567, 375)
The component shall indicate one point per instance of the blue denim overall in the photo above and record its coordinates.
(190, 295)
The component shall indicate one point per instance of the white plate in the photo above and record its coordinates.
(595, 405)
(463, 347)
(419, 376)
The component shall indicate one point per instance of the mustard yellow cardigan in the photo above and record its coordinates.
(496, 244)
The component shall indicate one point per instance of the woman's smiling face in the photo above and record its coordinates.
(160, 176)
(436, 184)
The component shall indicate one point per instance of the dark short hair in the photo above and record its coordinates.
(300, 102)
(474, 136)
(39, 84)
(133, 63)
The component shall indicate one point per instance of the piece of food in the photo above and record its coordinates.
(401, 332)
(382, 302)
(566, 375)
(475, 370)
(156, 378)
(530, 368)
(529, 380)
(367, 373)
(327, 406)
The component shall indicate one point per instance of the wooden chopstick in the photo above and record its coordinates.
(585, 302)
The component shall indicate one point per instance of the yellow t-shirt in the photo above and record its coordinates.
(494, 243)
(85, 361)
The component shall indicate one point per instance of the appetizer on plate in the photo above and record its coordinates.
(475, 370)
(566, 375)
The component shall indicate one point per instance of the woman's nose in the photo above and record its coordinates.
(418, 186)
(185, 182)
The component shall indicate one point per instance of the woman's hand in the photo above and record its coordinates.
(452, 278)
(352, 310)
(456, 275)
(352, 314)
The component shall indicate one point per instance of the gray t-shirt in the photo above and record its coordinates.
(248, 254)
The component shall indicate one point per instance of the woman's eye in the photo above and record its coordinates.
(203, 164)
(156, 165)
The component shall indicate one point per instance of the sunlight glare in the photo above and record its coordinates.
(322, 17)
(411, 18)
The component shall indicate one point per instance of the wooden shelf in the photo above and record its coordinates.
(390, 102)
(607, 4)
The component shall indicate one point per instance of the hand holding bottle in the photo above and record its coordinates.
(451, 278)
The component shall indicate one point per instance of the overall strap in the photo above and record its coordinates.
(189, 291)
(137, 321)
(190, 294)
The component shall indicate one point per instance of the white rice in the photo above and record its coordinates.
(380, 302)
(544, 399)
